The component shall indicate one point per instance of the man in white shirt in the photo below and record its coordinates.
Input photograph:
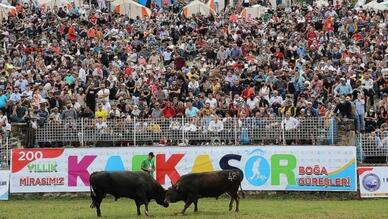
(252, 101)
(104, 93)
(367, 84)
(212, 101)
(275, 100)
(101, 126)
(216, 125)
(167, 57)
(290, 123)
(82, 74)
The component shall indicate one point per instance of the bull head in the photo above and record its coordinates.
(172, 194)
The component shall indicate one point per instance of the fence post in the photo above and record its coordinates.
(183, 131)
(334, 125)
(235, 129)
(134, 131)
(7, 151)
(82, 132)
(360, 146)
(283, 134)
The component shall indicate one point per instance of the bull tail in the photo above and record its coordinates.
(242, 192)
(93, 196)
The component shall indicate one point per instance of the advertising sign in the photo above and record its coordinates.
(311, 168)
(4, 184)
(373, 182)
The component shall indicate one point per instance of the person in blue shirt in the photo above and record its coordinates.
(235, 53)
(16, 95)
(343, 88)
(3, 100)
(191, 111)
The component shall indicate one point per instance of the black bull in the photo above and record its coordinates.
(134, 185)
(191, 187)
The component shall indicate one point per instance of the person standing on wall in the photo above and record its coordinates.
(148, 165)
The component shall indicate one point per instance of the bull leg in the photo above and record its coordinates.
(188, 203)
(146, 206)
(231, 203)
(196, 205)
(236, 198)
(138, 207)
(97, 204)
(231, 200)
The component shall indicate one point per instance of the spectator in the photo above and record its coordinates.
(55, 116)
(3, 100)
(289, 122)
(69, 113)
(216, 125)
(310, 111)
(101, 113)
(343, 88)
(344, 107)
(114, 113)
(359, 104)
(168, 111)
(191, 111)
(42, 116)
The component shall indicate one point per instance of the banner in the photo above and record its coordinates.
(373, 182)
(301, 168)
(4, 184)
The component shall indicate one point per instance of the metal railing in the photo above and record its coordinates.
(4, 153)
(373, 147)
(187, 131)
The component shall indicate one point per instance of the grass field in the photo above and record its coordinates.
(208, 208)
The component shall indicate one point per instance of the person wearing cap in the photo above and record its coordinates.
(310, 111)
(148, 164)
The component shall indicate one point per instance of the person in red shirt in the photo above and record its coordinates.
(248, 91)
(311, 36)
(93, 19)
(328, 26)
(72, 34)
(179, 61)
(357, 37)
(168, 111)
(91, 33)
(278, 54)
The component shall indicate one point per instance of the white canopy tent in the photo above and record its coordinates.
(197, 7)
(5, 10)
(255, 11)
(322, 3)
(360, 3)
(212, 5)
(130, 8)
(377, 6)
(52, 3)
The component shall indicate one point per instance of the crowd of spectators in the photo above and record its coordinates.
(293, 62)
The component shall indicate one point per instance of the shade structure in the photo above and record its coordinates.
(196, 7)
(322, 3)
(130, 8)
(360, 3)
(45, 4)
(212, 5)
(255, 11)
(377, 6)
(6, 10)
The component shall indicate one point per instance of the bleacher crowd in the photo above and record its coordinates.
(294, 62)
